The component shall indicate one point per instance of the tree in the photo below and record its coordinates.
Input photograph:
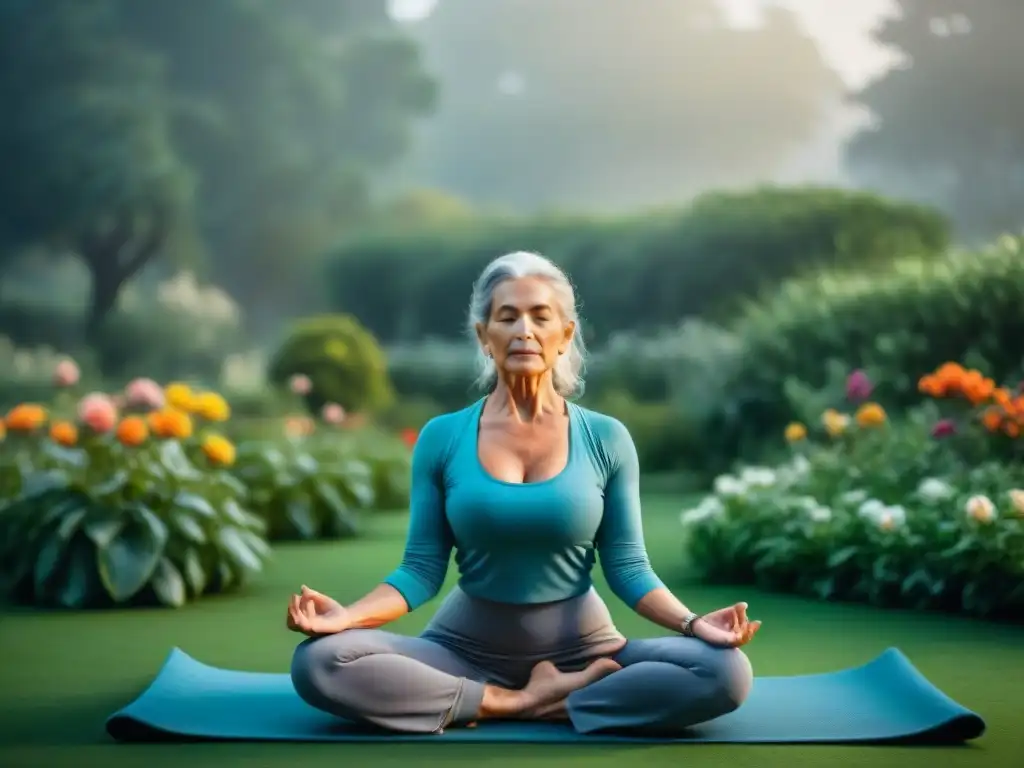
(612, 103)
(88, 163)
(293, 106)
(949, 124)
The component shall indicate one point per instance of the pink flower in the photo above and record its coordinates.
(66, 374)
(300, 384)
(98, 412)
(858, 387)
(944, 428)
(144, 393)
(333, 413)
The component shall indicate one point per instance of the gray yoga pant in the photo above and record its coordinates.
(425, 684)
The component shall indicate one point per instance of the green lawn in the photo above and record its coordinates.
(62, 674)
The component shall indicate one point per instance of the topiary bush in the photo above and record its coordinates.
(341, 359)
(891, 323)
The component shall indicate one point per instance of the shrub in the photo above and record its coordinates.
(647, 271)
(908, 514)
(109, 519)
(341, 359)
(892, 323)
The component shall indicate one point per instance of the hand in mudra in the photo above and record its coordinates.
(727, 627)
(313, 613)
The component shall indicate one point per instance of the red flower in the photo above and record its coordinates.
(409, 436)
(944, 428)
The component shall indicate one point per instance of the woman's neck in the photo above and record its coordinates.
(525, 399)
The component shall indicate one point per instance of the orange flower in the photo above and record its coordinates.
(932, 385)
(132, 430)
(1011, 428)
(171, 423)
(27, 417)
(992, 418)
(870, 415)
(64, 433)
(219, 450)
(3, 430)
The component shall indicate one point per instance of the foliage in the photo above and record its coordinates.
(887, 515)
(892, 323)
(140, 497)
(304, 493)
(647, 271)
(104, 523)
(341, 359)
(948, 129)
(89, 163)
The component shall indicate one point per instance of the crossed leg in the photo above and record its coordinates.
(666, 685)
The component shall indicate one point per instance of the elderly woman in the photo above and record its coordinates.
(527, 487)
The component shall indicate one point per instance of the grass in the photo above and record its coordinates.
(62, 673)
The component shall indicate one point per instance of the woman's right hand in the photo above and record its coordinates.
(313, 614)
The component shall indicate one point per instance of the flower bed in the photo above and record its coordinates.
(927, 512)
(139, 497)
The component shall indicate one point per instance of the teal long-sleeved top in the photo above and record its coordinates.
(524, 542)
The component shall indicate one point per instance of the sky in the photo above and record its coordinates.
(842, 28)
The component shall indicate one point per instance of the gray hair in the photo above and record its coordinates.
(568, 373)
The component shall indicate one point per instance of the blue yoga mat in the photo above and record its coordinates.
(886, 700)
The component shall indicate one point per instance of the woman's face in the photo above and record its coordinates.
(525, 333)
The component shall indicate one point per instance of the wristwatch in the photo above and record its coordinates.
(687, 625)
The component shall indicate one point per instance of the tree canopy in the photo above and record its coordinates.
(949, 124)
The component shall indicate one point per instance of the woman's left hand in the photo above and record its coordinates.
(727, 627)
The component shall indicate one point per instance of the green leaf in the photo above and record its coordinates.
(104, 525)
(193, 571)
(195, 503)
(234, 546)
(113, 485)
(256, 543)
(70, 522)
(175, 461)
(47, 562)
(79, 581)
(842, 556)
(299, 512)
(72, 457)
(187, 526)
(233, 511)
(168, 584)
(38, 484)
(307, 465)
(128, 562)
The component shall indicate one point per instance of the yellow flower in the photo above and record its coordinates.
(211, 406)
(132, 431)
(1017, 500)
(64, 432)
(172, 423)
(3, 430)
(26, 417)
(179, 396)
(219, 450)
(796, 432)
(981, 509)
(870, 415)
(835, 422)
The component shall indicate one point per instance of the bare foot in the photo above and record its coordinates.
(548, 686)
(555, 711)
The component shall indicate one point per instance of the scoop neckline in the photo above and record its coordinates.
(478, 416)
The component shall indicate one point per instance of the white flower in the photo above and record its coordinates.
(709, 507)
(857, 496)
(729, 485)
(758, 477)
(981, 509)
(883, 515)
(819, 513)
(933, 489)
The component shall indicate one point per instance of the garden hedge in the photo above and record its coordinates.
(635, 272)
